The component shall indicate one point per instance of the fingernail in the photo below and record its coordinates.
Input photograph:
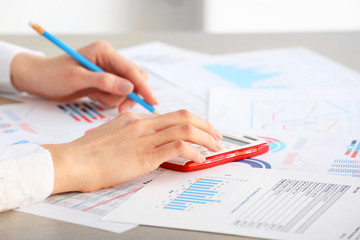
(125, 87)
(218, 146)
(218, 135)
(203, 158)
(156, 101)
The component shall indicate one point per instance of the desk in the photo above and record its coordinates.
(342, 47)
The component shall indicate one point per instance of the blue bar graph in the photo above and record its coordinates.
(173, 208)
(80, 111)
(201, 192)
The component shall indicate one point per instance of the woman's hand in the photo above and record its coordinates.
(62, 78)
(127, 147)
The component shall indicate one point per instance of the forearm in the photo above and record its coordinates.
(8, 52)
(24, 72)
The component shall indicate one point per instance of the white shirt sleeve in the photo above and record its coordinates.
(26, 170)
(26, 175)
(7, 53)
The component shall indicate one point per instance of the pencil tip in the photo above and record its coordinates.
(157, 112)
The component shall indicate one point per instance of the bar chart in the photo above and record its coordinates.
(344, 167)
(349, 164)
(83, 111)
(199, 194)
(353, 151)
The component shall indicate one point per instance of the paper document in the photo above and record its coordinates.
(276, 68)
(308, 111)
(34, 120)
(172, 99)
(160, 53)
(61, 122)
(331, 154)
(88, 208)
(251, 202)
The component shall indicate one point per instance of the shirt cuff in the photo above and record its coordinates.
(26, 175)
(7, 53)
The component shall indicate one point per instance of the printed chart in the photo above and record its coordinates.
(103, 201)
(309, 116)
(275, 145)
(303, 153)
(349, 165)
(201, 191)
(290, 206)
(335, 111)
(199, 194)
(83, 111)
(234, 200)
(242, 77)
(353, 151)
(13, 122)
(255, 163)
(293, 154)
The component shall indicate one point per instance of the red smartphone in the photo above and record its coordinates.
(235, 147)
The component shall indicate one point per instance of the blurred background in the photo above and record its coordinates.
(213, 16)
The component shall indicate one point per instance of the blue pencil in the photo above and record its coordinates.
(88, 64)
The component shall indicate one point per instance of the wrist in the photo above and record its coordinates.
(68, 175)
(23, 71)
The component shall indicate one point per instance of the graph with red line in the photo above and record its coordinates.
(318, 116)
(83, 111)
(103, 201)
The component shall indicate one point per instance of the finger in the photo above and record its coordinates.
(186, 133)
(176, 149)
(105, 82)
(109, 100)
(126, 105)
(123, 67)
(182, 117)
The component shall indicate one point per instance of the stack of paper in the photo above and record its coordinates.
(307, 108)
(303, 104)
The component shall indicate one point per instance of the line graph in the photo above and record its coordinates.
(103, 201)
(305, 116)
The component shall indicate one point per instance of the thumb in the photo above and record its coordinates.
(108, 83)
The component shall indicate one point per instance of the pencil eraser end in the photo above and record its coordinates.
(31, 23)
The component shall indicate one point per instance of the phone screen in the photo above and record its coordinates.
(234, 141)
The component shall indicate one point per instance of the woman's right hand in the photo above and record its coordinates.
(127, 147)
